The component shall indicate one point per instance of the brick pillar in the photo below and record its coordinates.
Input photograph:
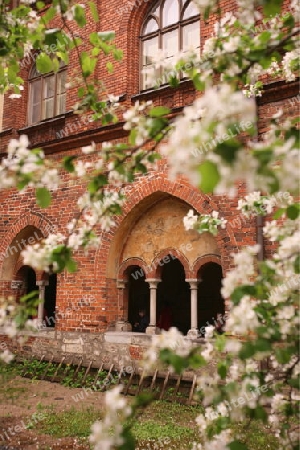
(122, 323)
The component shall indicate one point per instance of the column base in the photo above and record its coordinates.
(193, 333)
(152, 329)
(121, 325)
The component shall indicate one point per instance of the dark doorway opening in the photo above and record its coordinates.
(138, 294)
(30, 280)
(176, 291)
(210, 301)
(50, 301)
(28, 277)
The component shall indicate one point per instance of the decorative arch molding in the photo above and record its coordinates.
(123, 275)
(158, 267)
(20, 264)
(35, 221)
(202, 260)
(133, 18)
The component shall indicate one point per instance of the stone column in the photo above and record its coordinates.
(122, 324)
(42, 285)
(193, 333)
(152, 329)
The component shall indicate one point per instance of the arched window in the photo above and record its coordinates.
(47, 94)
(171, 26)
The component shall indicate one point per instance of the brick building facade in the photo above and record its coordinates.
(148, 257)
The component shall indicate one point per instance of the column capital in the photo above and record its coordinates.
(121, 284)
(193, 282)
(153, 282)
(16, 284)
(42, 283)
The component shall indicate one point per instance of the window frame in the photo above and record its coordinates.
(32, 79)
(161, 31)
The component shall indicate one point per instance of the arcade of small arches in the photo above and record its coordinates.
(152, 260)
(194, 296)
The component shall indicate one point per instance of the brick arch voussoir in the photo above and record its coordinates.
(157, 271)
(37, 220)
(202, 260)
(122, 275)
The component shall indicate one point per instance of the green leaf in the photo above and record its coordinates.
(81, 92)
(79, 15)
(96, 183)
(44, 63)
(247, 351)
(198, 83)
(40, 5)
(209, 176)
(272, 7)
(222, 370)
(106, 35)
(157, 125)
(265, 36)
(43, 197)
(110, 67)
(295, 382)
(237, 445)
(68, 163)
(263, 345)
(71, 265)
(293, 211)
(32, 298)
(94, 11)
(49, 14)
(159, 111)
(128, 440)
(241, 291)
(279, 213)
(132, 136)
(228, 149)
(87, 64)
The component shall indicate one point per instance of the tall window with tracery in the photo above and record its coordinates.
(47, 94)
(172, 26)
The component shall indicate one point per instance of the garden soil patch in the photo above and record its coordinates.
(23, 402)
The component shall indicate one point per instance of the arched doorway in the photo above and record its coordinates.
(138, 293)
(176, 291)
(210, 301)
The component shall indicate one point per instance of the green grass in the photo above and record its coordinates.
(161, 426)
(256, 435)
(9, 390)
(70, 423)
(165, 425)
(153, 430)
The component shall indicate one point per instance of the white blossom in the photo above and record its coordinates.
(243, 317)
(189, 220)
